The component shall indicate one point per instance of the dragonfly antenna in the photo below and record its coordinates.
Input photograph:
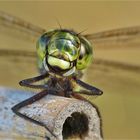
(82, 31)
(58, 23)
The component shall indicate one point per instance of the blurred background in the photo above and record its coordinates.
(116, 65)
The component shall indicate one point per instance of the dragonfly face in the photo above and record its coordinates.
(63, 51)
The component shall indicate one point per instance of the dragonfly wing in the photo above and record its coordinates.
(119, 48)
(15, 28)
(115, 35)
(116, 62)
(17, 49)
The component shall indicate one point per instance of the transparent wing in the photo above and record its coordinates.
(120, 34)
(22, 34)
(17, 24)
(119, 48)
(116, 63)
(17, 49)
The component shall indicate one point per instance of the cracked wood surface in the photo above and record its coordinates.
(53, 111)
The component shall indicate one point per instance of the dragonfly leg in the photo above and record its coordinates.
(28, 82)
(28, 101)
(79, 97)
(92, 89)
(86, 92)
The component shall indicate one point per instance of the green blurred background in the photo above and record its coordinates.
(119, 105)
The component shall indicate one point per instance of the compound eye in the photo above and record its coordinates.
(85, 55)
(63, 48)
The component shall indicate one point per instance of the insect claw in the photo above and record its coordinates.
(98, 92)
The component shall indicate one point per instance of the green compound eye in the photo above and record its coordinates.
(62, 48)
(64, 45)
(85, 55)
(42, 47)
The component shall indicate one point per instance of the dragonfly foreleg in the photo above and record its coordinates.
(79, 97)
(86, 92)
(28, 82)
(92, 89)
(28, 101)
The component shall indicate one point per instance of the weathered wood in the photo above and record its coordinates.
(67, 118)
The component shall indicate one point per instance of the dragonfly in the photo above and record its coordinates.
(62, 55)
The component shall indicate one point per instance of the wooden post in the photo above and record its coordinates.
(66, 118)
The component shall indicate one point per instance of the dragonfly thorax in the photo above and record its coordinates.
(63, 52)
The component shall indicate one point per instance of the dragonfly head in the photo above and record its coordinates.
(64, 51)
